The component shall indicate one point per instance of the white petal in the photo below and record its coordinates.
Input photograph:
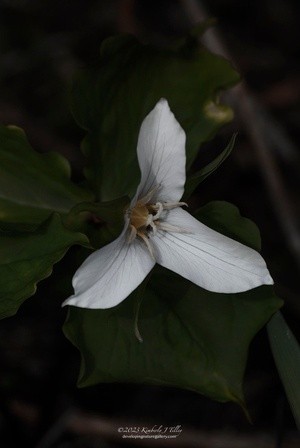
(208, 258)
(161, 155)
(110, 274)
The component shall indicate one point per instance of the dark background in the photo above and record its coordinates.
(42, 44)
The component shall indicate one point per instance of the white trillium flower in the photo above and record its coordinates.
(158, 230)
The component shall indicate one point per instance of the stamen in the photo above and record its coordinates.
(132, 234)
(153, 227)
(159, 207)
(149, 221)
(147, 242)
(171, 205)
(144, 200)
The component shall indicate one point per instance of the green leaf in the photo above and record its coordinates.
(111, 212)
(28, 257)
(100, 221)
(33, 185)
(286, 352)
(225, 218)
(195, 179)
(112, 101)
(192, 338)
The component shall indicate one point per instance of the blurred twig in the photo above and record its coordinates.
(56, 431)
(84, 424)
(248, 111)
(258, 124)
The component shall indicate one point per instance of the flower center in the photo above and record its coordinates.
(139, 216)
(144, 219)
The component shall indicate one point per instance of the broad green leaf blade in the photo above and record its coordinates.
(286, 352)
(195, 179)
(192, 338)
(28, 257)
(225, 218)
(112, 101)
(100, 221)
(33, 185)
(111, 212)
